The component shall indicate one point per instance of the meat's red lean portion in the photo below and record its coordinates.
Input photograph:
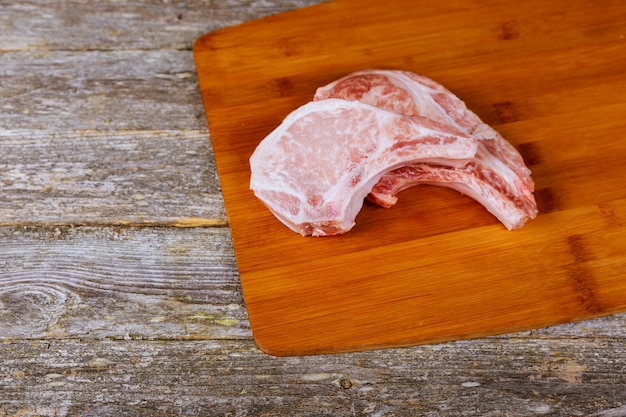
(315, 169)
(497, 176)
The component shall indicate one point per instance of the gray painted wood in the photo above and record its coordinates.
(119, 292)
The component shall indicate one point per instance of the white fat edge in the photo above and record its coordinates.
(485, 132)
(323, 89)
(426, 99)
(402, 80)
(292, 224)
(502, 208)
(456, 155)
(509, 175)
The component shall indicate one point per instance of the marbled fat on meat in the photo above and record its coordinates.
(315, 169)
(497, 177)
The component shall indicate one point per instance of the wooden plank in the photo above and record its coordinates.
(95, 138)
(119, 283)
(552, 70)
(99, 90)
(97, 178)
(114, 25)
(522, 377)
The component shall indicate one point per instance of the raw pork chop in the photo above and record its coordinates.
(497, 177)
(315, 169)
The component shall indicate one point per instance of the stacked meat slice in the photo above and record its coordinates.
(375, 133)
(496, 177)
(314, 171)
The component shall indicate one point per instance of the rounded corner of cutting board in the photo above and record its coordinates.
(272, 347)
(200, 44)
(278, 348)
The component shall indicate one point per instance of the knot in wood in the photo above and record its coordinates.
(345, 383)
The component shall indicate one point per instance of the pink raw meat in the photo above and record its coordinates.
(315, 169)
(497, 177)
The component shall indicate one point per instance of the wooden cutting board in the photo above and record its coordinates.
(550, 76)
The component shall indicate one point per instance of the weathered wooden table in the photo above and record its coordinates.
(119, 292)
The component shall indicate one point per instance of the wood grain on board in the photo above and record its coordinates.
(548, 76)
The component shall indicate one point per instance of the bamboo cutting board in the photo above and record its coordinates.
(549, 76)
